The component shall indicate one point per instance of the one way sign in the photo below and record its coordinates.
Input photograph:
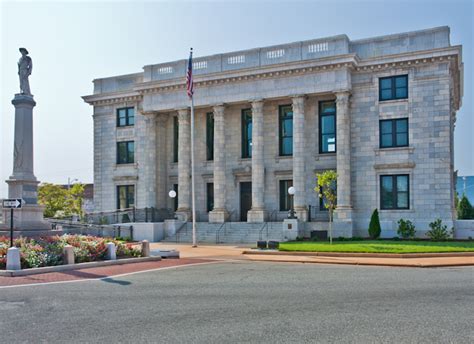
(14, 203)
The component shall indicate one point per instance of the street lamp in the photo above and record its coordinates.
(70, 181)
(291, 192)
(172, 195)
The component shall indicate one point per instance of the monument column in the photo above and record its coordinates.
(184, 165)
(343, 212)
(219, 213)
(299, 172)
(257, 213)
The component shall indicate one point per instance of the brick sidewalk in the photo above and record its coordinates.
(96, 273)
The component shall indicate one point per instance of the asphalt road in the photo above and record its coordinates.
(248, 302)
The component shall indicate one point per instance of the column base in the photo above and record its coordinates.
(183, 214)
(218, 216)
(301, 213)
(28, 218)
(256, 215)
(342, 224)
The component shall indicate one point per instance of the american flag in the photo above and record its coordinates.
(189, 76)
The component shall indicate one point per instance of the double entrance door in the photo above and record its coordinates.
(245, 199)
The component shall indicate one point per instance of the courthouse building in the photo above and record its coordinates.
(381, 111)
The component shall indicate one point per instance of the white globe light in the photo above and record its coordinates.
(172, 194)
(291, 190)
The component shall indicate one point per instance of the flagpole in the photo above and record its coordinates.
(193, 204)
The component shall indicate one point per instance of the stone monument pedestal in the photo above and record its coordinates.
(23, 183)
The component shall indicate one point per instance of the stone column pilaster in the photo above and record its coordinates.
(343, 212)
(184, 165)
(148, 157)
(161, 170)
(299, 171)
(257, 213)
(219, 213)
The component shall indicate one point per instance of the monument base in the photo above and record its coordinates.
(28, 218)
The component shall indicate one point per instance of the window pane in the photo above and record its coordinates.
(402, 183)
(401, 93)
(386, 127)
(402, 200)
(401, 81)
(386, 94)
(122, 197)
(285, 199)
(131, 196)
(122, 153)
(402, 139)
(122, 114)
(402, 126)
(386, 192)
(131, 152)
(131, 116)
(328, 107)
(210, 196)
(288, 127)
(287, 146)
(386, 83)
(328, 143)
(327, 124)
(387, 140)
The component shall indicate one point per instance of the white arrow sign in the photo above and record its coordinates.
(15, 203)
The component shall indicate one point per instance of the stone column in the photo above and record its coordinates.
(184, 165)
(161, 161)
(257, 213)
(147, 158)
(23, 183)
(343, 212)
(299, 172)
(219, 213)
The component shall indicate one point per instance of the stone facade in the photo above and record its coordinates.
(300, 75)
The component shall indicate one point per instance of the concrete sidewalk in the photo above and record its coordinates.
(229, 252)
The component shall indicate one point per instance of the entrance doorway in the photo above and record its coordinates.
(245, 199)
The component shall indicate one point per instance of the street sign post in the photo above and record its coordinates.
(14, 203)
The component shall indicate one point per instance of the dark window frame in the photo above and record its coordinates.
(129, 158)
(209, 197)
(320, 134)
(128, 204)
(395, 191)
(210, 136)
(395, 143)
(281, 137)
(129, 119)
(246, 119)
(175, 138)
(393, 87)
(285, 199)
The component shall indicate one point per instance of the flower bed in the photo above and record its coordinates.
(48, 251)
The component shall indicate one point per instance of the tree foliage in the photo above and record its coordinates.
(374, 225)
(464, 209)
(60, 201)
(326, 189)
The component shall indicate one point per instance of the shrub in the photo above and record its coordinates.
(464, 209)
(374, 226)
(438, 232)
(406, 229)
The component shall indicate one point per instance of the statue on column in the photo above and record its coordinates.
(25, 66)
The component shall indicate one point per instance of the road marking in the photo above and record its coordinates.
(108, 277)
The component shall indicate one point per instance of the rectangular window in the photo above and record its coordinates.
(393, 87)
(286, 130)
(175, 138)
(210, 196)
(125, 117)
(126, 152)
(175, 203)
(327, 127)
(394, 133)
(394, 191)
(246, 133)
(210, 135)
(285, 198)
(125, 196)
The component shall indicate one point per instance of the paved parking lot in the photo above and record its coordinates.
(243, 301)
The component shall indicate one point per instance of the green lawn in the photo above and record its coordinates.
(378, 246)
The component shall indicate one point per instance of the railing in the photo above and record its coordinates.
(224, 226)
(148, 214)
(265, 225)
(91, 229)
(178, 231)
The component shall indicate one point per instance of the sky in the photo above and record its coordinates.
(72, 43)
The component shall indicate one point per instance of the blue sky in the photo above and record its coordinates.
(72, 43)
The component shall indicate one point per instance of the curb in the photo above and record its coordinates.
(59, 268)
(359, 254)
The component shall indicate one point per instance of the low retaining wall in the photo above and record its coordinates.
(463, 229)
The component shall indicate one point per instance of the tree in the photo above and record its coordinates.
(374, 225)
(59, 201)
(326, 189)
(464, 209)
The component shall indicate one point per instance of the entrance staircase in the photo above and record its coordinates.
(229, 233)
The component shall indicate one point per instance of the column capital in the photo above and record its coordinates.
(183, 114)
(218, 109)
(257, 105)
(298, 103)
(161, 118)
(342, 96)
